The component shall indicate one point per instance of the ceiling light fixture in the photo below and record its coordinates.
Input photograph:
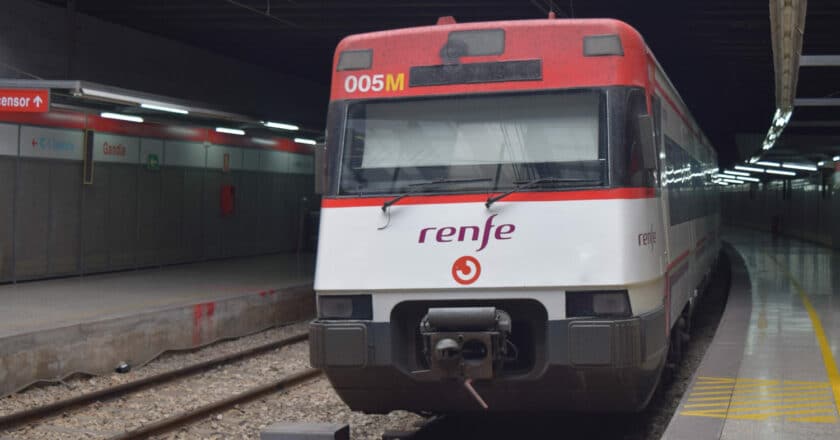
(164, 108)
(751, 169)
(781, 173)
(798, 166)
(767, 163)
(281, 126)
(736, 173)
(235, 131)
(305, 141)
(120, 117)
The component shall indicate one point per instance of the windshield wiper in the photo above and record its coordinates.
(396, 199)
(531, 183)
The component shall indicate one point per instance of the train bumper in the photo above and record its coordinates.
(580, 364)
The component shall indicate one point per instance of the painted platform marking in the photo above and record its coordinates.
(828, 358)
(761, 399)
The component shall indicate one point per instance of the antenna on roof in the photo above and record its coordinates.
(551, 15)
(448, 19)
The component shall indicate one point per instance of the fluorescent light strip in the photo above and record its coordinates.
(164, 108)
(121, 117)
(768, 164)
(281, 126)
(798, 166)
(781, 173)
(235, 131)
(747, 179)
(305, 141)
(751, 169)
(736, 173)
(732, 181)
(835, 158)
(263, 141)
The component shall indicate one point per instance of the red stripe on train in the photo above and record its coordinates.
(541, 196)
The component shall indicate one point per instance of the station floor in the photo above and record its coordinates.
(37, 305)
(771, 371)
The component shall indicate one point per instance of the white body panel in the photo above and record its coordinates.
(555, 246)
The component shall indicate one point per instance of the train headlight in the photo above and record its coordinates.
(345, 307)
(600, 303)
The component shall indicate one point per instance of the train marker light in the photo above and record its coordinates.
(235, 131)
(281, 126)
(602, 45)
(121, 117)
(799, 166)
(355, 60)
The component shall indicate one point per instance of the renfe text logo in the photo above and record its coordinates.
(447, 234)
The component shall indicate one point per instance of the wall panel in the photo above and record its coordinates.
(94, 221)
(32, 219)
(65, 219)
(8, 174)
(122, 216)
(148, 217)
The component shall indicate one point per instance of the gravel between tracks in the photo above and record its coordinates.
(311, 401)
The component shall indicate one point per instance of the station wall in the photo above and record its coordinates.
(808, 209)
(137, 215)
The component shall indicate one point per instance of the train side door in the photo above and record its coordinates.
(656, 107)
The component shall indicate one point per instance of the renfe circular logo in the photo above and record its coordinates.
(466, 270)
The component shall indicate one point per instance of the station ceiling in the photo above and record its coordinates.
(716, 52)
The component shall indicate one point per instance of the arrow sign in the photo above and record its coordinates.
(24, 100)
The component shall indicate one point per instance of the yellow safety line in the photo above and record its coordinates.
(825, 348)
(722, 414)
(753, 386)
(758, 391)
(755, 403)
(814, 394)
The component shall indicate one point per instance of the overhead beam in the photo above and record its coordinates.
(787, 27)
(817, 102)
(819, 60)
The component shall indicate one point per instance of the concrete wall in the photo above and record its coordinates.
(807, 208)
(40, 40)
(132, 216)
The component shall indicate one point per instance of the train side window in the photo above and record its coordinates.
(636, 105)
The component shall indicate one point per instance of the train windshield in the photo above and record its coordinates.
(474, 143)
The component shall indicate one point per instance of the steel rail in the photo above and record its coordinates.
(179, 420)
(21, 417)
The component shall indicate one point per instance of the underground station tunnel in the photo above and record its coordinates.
(306, 219)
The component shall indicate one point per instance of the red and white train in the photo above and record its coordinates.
(518, 216)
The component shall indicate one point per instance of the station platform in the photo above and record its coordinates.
(771, 370)
(51, 329)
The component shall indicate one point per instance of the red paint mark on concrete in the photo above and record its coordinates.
(196, 334)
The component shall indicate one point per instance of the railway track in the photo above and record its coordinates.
(36, 415)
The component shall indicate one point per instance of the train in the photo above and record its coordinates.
(517, 216)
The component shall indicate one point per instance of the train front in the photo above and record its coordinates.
(491, 237)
